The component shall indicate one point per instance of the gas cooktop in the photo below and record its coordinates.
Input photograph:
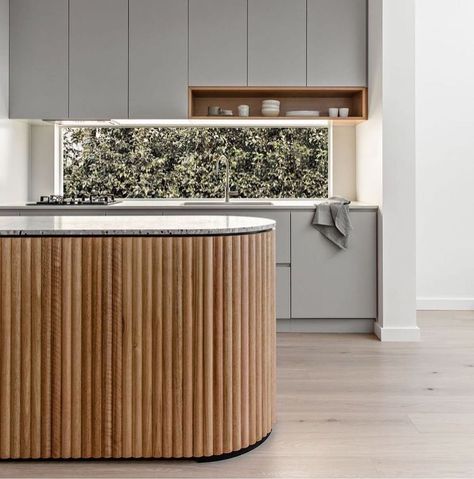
(58, 200)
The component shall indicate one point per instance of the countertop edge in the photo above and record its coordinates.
(143, 226)
(129, 206)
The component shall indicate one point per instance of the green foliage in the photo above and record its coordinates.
(187, 163)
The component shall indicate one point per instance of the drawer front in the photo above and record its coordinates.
(134, 212)
(283, 274)
(282, 219)
(61, 212)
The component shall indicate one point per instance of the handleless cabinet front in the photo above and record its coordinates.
(158, 58)
(39, 59)
(98, 59)
(328, 282)
(277, 43)
(218, 42)
(337, 42)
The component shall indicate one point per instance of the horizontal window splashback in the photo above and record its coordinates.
(192, 162)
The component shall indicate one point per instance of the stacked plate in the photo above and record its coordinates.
(302, 113)
(270, 107)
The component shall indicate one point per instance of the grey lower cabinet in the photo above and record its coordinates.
(158, 49)
(277, 43)
(98, 59)
(282, 219)
(57, 211)
(283, 289)
(328, 282)
(218, 42)
(39, 59)
(337, 42)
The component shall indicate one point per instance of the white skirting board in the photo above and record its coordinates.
(445, 304)
(395, 335)
(341, 326)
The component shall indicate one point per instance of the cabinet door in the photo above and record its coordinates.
(337, 42)
(328, 282)
(158, 58)
(283, 292)
(218, 42)
(98, 59)
(39, 59)
(277, 42)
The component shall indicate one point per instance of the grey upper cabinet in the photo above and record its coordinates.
(158, 58)
(277, 42)
(39, 59)
(337, 42)
(328, 282)
(218, 42)
(98, 59)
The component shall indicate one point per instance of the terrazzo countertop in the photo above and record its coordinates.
(132, 225)
(183, 205)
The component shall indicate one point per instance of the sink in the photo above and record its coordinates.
(222, 204)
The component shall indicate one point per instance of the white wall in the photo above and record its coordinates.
(386, 162)
(344, 162)
(445, 154)
(14, 135)
(42, 161)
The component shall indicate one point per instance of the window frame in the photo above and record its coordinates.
(58, 147)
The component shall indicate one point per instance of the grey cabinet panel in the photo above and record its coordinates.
(282, 219)
(98, 59)
(132, 212)
(337, 42)
(328, 282)
(283, 292)
(218, 42)
(39, 59)
(61, 212)
(158, 58)
(277, 42)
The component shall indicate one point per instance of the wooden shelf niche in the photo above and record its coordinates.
(291, 98)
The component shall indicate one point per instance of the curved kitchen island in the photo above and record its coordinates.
(136, 337)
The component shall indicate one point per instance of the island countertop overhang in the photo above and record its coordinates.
(179, 225)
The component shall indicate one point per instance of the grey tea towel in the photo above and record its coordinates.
(332, 221)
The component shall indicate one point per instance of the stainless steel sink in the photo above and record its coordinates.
(223, 204)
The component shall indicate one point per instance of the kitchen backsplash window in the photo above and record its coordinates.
(191, 162)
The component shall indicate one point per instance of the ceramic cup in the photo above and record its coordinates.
(343, 112)
(244, 110)
(333, 112)
(213, 110)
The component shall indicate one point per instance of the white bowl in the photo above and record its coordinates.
(270, 108)
(266, 103)
(270, 112)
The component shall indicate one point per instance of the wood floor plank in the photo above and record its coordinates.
(331, 429)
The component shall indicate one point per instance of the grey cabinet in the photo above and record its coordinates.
(282, 219)
(328, 282)
(39, 59)
(337, 42)
(283, 288)
(277, 42)
(218, 42)
(98, 59)
(158, 49)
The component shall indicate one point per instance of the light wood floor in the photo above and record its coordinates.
(349, 406)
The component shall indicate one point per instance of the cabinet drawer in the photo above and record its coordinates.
(283, 292)
(61, 212)
(282, 219)
(329, 282)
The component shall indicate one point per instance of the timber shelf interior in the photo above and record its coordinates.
(291, 99)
